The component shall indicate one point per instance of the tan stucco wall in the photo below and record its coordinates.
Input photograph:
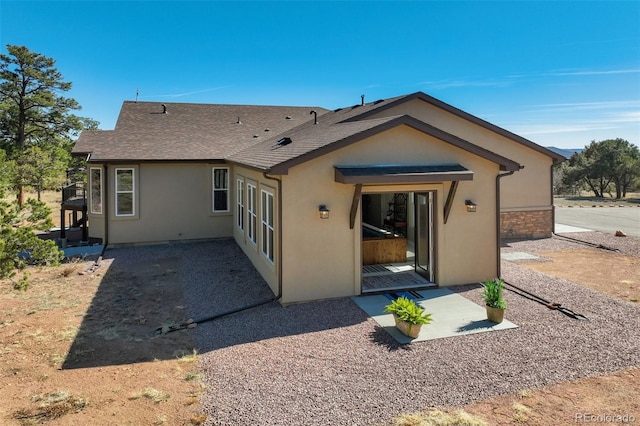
(173, 202)
(266, 268)
(322, 258)
(528, 188)
(96, 226)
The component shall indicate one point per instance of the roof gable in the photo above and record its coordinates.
(460, 113)
(310, 141)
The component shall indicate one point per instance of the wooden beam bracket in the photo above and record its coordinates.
(354, 205)
(447, 205)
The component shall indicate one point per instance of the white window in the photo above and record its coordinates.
(252, 212)
(125, 195)
(95, 189)
(220, 189)
(240, 204)
(267, 224)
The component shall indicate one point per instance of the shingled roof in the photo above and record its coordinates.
(334, 131)
(144, 132)
(254, 136)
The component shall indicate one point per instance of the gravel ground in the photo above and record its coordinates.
(326, 362)
(624, 245)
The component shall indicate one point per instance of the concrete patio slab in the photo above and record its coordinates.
(452, 315)
(518, 255)
(83, 251)
(563, 229)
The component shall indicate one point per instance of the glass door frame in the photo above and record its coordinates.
(424, 219)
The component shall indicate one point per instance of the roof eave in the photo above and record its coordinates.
(503, 162)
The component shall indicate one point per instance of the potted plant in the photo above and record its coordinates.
(409, 317)
(492, 294)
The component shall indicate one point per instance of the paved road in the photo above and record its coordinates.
(604, 219)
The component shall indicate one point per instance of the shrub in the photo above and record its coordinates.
(492, 293)
(407, 310)
(19, 245)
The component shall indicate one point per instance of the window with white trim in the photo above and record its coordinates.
(125, 192)
(252, 212)
(267, 224)
(220, 189)
(240, 204)
(95, 188)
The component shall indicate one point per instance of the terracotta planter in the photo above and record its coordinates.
(408, 329)
(495, 314)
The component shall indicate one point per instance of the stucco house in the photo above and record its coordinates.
(324, 203)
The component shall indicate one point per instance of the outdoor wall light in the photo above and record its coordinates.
(471, 206)
(324, 211)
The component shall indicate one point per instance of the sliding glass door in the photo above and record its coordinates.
(424, 239)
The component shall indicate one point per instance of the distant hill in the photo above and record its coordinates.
(565, 152)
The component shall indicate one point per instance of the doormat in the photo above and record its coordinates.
(452, 314)
(411, 295)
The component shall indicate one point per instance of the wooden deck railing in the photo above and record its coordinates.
(74, 198)
(74, 191)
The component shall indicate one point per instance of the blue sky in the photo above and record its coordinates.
(560, 73)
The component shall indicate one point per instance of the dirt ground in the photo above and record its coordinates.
(610, 273)
(79, 347)
(612, 395)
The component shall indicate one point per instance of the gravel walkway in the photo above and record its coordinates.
(326, 362)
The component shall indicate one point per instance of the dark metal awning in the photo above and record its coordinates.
(399, 174)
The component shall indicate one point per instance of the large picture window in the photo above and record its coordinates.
(125, 192)
(267, 224)
(240, 203)
(252, 212)
(95, 188)
(220, 189)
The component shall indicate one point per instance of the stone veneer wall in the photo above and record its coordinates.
(526, 224)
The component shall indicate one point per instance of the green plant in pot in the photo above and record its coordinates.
(409, 317)
(492, 294)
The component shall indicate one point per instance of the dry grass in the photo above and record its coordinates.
(192, 376)
(520, 413)
(52, 406)
(73, 266)
(160, 420)
(198, 419)
(434, 417)
(152, 395)
(114, 332)
(187, 356)
(587, 200)
(51, 198)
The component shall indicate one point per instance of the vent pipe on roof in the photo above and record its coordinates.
(238, 122)
(315, 117)
(362, 100)
(164, 109)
